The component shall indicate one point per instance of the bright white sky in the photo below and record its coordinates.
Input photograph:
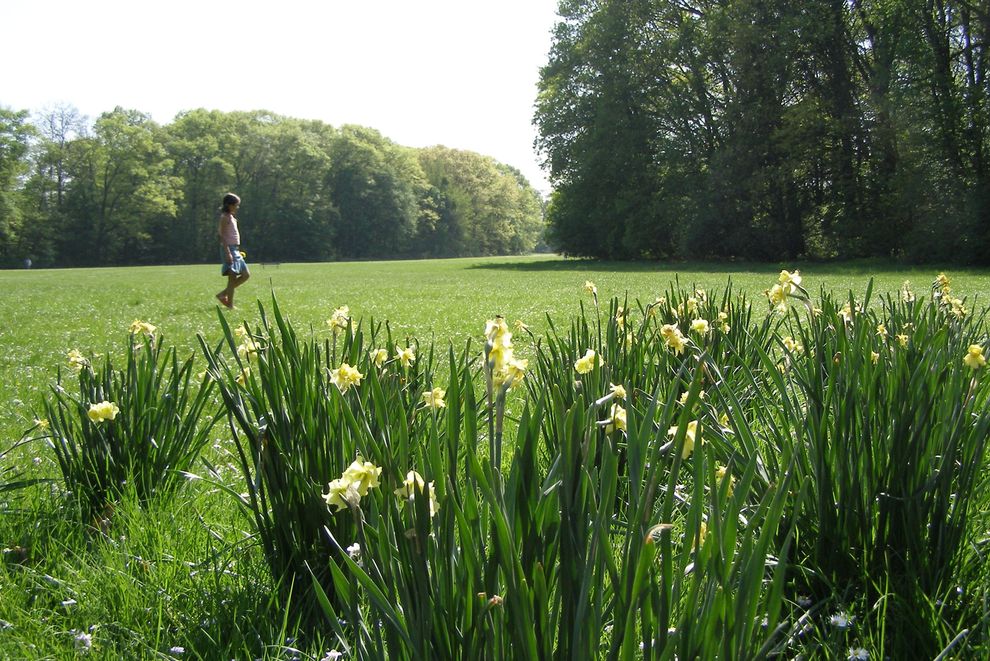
(460, 73)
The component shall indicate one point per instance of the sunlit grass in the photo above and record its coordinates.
(45, 313)
(189, 574)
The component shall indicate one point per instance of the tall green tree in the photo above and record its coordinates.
(376, 186)
(768, 129)
(15, 133)
(121, 183)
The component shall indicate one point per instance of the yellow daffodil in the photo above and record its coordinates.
(434, 398)
(792, 345)
(495, 331)
(590, 287)
(138, 327)
(102, 411)
(363, 475)
(76, 360)
(874, 357)
(722, 474)
(406, 356)
(692, 306)
(378, 357)
(41, 423)
(789, 280)
(700, 326)
(957, 308)
(672, 336)
(617, 390)
(248, 349)
(906, 294)
(520, 326)
(243, 376)
(346, 376)
(413, 485)
(617, 419)
(341, 318)
(702, 535)
(514, 372)
(586, 363)
(902, 340)
(849, 311)
(974, 358)
(882, 332)
(689, 438)
(342, 493)
(684, 397)
(241, 332)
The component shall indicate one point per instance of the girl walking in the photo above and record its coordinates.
(234, 266)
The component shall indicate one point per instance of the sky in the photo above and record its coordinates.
(459, 73)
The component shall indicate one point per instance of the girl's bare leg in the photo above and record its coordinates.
(233, 282)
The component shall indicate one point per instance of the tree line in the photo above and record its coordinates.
(769, 129)
(126, 190)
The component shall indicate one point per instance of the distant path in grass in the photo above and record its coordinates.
(44, 313)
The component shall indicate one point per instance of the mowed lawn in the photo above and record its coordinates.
(45, 313)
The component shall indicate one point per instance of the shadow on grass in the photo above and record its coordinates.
(848, 268)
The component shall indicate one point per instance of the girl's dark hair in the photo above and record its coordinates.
(229, 199)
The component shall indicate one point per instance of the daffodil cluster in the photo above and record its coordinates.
(353, 485)
(413, 486)
(942, 293)
(505, 369)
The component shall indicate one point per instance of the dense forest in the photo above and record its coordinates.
(126, 190)
(769, 129)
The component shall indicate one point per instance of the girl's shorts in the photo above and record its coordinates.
(237, 265)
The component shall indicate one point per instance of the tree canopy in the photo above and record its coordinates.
(769, 129)
(125, 190)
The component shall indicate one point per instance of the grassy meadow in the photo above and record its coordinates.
(809, 484)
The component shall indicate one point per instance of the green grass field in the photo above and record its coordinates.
(43, 314)
(186, 578)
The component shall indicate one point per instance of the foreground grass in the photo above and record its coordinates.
(168, 580)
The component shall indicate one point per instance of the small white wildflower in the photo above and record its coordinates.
(178, 650)
(84, 642)
(858, 654)
(841, 620)
(354, 550)
(332, 655)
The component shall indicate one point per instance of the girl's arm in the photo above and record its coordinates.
(228, 257)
